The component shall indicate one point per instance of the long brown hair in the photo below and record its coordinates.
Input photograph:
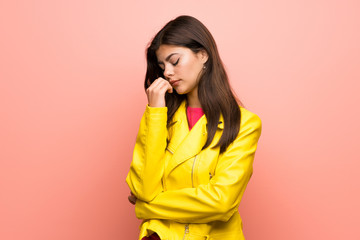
(214, 91)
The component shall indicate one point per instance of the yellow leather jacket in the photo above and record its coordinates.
(185, 192)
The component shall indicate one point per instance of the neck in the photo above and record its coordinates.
(193, 99)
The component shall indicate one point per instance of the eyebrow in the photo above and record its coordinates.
(167, 58)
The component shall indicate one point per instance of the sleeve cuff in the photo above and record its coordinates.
(138, 206)
(156, 114)
(156, 110)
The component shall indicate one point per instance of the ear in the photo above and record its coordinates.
(203, 56)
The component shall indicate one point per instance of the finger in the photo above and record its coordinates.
(132, 199)
(170, 88)
(159, 87)
(155, 85)
(133, 196)
(157, 82)
(166, 87)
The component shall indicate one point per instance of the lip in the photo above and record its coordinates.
(174, 82)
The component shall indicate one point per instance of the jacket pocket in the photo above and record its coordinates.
(206, 165)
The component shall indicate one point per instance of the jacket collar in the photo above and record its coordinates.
(180, 116)
(185, 144)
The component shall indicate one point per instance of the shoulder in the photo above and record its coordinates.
(249, 133)
(249, 120)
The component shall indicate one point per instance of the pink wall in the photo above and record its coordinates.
(71, 99)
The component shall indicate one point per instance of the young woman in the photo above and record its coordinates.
(195, 147)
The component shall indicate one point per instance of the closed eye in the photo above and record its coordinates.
(177, 61)
(161, 65)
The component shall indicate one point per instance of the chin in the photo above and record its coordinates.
(180, 91)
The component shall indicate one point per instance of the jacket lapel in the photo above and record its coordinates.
(185, 144)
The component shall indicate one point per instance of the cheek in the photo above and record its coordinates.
(195, 70)
(190, 69)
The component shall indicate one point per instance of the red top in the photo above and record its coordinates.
(193, 115)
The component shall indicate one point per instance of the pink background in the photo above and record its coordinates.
(71, 98)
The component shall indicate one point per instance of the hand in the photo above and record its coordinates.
(132, 199)
(156, 92)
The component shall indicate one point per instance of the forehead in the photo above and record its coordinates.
(165, 50)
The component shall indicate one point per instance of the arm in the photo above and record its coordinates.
(147, 166)
(220, 198)
(144, 179)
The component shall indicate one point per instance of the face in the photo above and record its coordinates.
(181, 66)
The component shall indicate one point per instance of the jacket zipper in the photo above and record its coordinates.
(170, 150)
(186, 230)
(192, 172)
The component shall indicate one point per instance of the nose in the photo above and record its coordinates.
(168, 72)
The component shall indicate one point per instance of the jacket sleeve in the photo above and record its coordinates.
(220, 198)
(143, 181)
